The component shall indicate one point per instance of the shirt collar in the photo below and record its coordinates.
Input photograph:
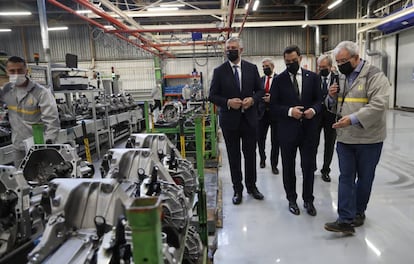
(233, 64)
(298, 73)
(359, 67)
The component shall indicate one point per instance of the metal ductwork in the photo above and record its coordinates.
(368, 51)
(317, 33)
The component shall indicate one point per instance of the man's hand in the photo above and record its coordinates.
(333, 90)
(309, 114)
(343, 122)
(266, 98)
(234, 103)
(297, 112)
(247, 102)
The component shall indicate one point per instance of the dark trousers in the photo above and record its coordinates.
(263, 126)
(307, 162)
(232, 137)
(327, 119)
(357, 164)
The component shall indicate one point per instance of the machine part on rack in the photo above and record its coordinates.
(71, 234)
(100, 105)
(5, 136)
(170, 114)
(181, 170)
(46, 162)
(66, 117)
(82, 107)
(21, 220)
(193, 247)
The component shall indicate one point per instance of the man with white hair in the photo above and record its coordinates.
(360, 105)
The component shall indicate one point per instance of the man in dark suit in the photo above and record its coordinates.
(236, 90)
(327, 118)
(295, 99)
(266, 120)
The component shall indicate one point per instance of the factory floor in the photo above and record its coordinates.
(266, 232)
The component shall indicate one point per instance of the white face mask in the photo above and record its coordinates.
(17, 79)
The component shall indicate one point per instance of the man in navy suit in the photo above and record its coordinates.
(295, 99)
(236, 90)
(266, 120)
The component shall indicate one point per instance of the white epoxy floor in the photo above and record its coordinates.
(264, 232)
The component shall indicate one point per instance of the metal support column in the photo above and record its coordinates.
(144, 217)
(202, 197)
(146, 114)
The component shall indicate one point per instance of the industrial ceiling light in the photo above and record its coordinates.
(83, 11)
(15, 13)
(256, 5)
(5, 30)
(304, 25)
(152, 9)
(337, 2)
(246, 6)
(57, 28)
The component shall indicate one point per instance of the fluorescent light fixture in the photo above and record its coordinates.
(172, 5)
(304, 25)
(337, 2)
(83, 11)
(246, 6)
(15, 13)
(57, 28)
(5, 30)
(162, 9)
(256, 5)
(110, 27)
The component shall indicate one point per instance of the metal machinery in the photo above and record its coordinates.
(90, 220)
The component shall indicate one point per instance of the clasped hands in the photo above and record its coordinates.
(298, 112)
(237, 103)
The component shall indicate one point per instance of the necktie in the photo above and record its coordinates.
(295, 85)
(267, 85)
(236, 76)
(325, 86)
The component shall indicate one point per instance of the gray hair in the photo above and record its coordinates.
(325, 57)
(350, 46)
(268, 60)
(235, 39)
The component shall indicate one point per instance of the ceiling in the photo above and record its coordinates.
(153, 30)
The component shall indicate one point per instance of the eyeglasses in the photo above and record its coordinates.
(343, 61)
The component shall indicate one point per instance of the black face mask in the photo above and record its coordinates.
(346, 68)
(232, 55)
(293, 67)
(267, 71)
(324, 72)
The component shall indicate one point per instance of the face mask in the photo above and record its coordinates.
(324, 72)
(293, 67)
(346, 68)
(232, 55)
(267, 71)
(17, 79)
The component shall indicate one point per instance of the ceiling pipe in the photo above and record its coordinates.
(120, 25)
(197, 43)
(245, 17)
(231, 14)
(317, 32)
(93, 22)
(177, 30)
(368, 51)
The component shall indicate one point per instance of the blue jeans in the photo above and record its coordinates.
(357, 164)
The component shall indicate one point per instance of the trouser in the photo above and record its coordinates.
(232, 137)
(263, 126)
(326, 122)
(357, 164)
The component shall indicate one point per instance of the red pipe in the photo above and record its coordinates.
(120, 25)
(245, 17)
(231, 14)
(198, 43)
(204, 30)
(93, 22)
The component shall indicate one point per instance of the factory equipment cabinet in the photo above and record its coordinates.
(174, 83)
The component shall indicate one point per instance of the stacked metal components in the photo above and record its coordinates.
(90, 220)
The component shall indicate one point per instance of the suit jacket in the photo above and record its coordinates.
(283, 97)
(223, 87)
(262, 105)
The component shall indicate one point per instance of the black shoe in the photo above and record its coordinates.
(237, 198)
(310, 208)
(359, 220)
(262, 164)
(340, 227)
(275, 170)
(326, 177)
(256, 194)
(293, 208)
